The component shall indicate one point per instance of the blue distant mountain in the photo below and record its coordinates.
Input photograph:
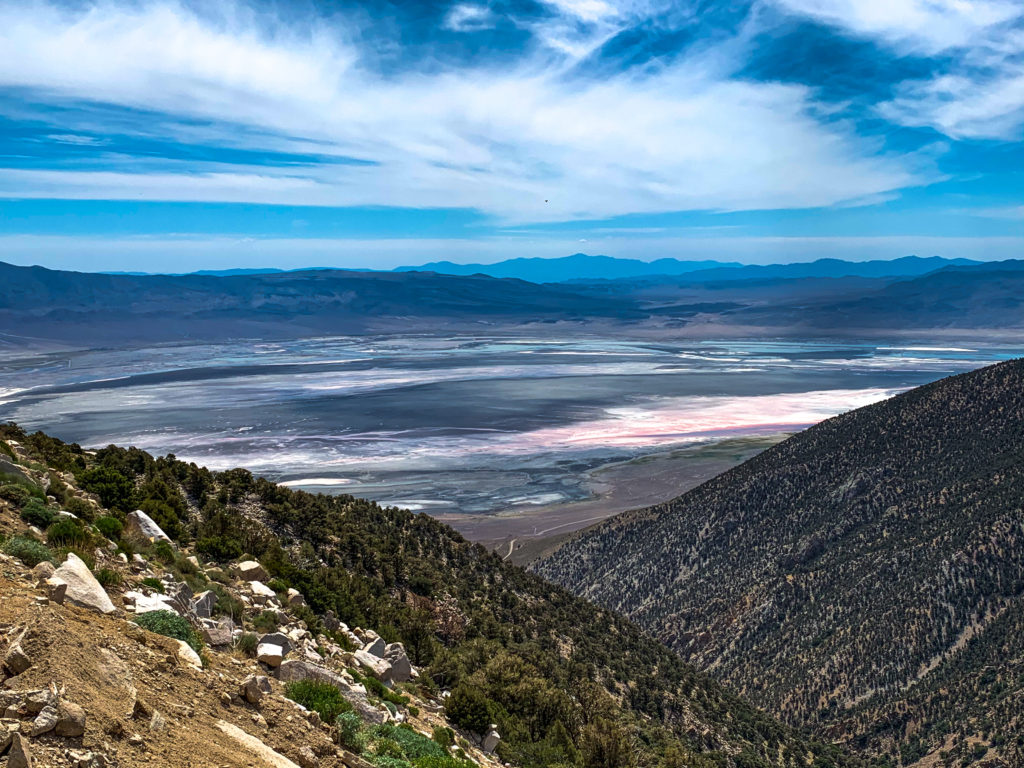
(579, 266)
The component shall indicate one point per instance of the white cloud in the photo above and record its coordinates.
(469, 18)
(926, 26)
(525, 143)
(978, 88)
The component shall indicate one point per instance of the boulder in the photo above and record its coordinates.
(261, 593)
(140, 603)
(16, 660)
(490, 740)
(43, 571)
(203, 604)
(189, 656)
(139, 528)
(270, 654)
(70, 720)
(218, 633)
(305, 757)
(56, 589)
(45, 721)
(377, 667)
(376, 647)
(83, 590)
(254, 688)
(401, 667)
(295, 598)
(294, 669)
(249, 570)
(331, 622)
(19, 756)
(277, 638)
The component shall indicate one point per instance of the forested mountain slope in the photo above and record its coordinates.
(568, 684)
(864, 577)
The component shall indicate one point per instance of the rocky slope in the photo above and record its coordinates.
(864, 577)
(193, 612)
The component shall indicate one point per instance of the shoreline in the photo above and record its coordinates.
(522, 535)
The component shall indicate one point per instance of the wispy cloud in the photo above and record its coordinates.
(977, 90)
(535, 141)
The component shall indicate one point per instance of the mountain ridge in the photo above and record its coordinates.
(853, 578)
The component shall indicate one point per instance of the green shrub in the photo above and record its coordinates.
(386, 761)
(83, 509)
(278, 585)
(348, 731)
(413, 745)
(322, 698)
(28, 550)
(114, 489)
(37, 513)
(266, 622)
(15, 494)
(227, 604)
(108, 578)
(67, 532)
(445, 737)
(170, 624)
(247, 643)
(468, 708)
(110, 527)
(219, 548)
(153, 583)
(163, 552)
(442, 761)
(388, 748)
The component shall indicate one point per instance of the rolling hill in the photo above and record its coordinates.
(864, 577)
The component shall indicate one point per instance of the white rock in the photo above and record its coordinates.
(143, 603)
(259, 589)
(189, 656)
(270, 654)
(83, 589)
(140, 528)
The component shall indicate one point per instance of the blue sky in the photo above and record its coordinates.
(174, 136)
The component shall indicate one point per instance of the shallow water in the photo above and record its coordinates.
(471, 425)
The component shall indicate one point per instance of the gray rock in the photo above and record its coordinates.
(45, 721)
(70, 720)
(331, 622)
(490, 741)
(19, 755)
(401, 667)
(140, 529)
(254, 688)
(376, 647)
(295, 598)
(43, 570)
(305, 757)
(56, 589)
(249, 570)
(16, 660)
(218, 634)
(278, 638)
(83, 590)
(377, 667)
(203, 604)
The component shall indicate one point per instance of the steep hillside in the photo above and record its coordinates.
(864, 577)
(566, 683)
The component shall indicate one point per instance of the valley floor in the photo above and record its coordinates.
(523, 535)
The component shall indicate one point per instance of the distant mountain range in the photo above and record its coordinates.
(581, 266)
(864, 577)
(88, 308)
